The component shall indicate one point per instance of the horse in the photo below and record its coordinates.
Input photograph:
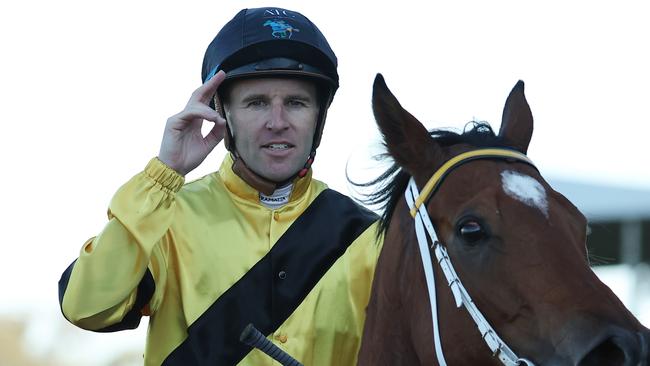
(503, 245)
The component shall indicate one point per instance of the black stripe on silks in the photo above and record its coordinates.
(63, 283)
(274, 287)
(131, 320)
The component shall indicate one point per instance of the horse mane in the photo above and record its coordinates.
(392, 182)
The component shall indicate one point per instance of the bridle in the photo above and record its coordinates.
(424, 226)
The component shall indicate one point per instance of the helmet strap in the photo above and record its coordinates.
(253, 179)
(228, 140)
(307, 166)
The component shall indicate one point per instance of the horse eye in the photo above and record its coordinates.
(472, 232)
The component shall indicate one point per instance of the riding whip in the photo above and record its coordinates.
(255, 339)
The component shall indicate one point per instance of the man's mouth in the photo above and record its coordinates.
(278, 146)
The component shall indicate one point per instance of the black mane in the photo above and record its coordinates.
(392, 183)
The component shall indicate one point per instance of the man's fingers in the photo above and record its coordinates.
(197, 111)
(206, 91)
(216, 134)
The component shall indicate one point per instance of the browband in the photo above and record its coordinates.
(457, 160)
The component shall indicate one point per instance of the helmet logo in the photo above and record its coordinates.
(280, 29)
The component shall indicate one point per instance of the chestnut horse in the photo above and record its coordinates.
(517, 246)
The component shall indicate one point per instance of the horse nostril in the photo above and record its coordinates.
(606, 353)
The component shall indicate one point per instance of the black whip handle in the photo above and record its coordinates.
(254, 338)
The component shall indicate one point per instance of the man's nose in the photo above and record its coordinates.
(277, 119)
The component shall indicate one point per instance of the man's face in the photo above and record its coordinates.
(273, 122)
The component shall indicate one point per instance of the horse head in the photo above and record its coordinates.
(518, 246)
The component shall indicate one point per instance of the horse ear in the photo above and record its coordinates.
(517, 122)
(406, 139)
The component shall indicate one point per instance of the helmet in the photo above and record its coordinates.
(273, 42)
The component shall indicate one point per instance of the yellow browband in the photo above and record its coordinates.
(459, 159)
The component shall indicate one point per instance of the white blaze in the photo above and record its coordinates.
(525, 189)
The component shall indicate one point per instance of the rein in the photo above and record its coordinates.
(424, 226)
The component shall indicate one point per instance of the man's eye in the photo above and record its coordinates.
(255, 103)
(297, 103)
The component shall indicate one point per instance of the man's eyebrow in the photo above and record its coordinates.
(252, 97)
(303, 97)
(261, 96)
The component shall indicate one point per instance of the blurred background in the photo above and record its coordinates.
(86, 87)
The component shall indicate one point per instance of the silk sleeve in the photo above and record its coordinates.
(118, 273)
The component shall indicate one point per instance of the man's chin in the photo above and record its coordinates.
(278, 176)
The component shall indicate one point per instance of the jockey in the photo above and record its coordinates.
(257, 242)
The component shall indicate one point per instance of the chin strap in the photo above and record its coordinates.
(307, 166)
(254, 180)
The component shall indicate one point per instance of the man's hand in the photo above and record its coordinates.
(183, 146)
